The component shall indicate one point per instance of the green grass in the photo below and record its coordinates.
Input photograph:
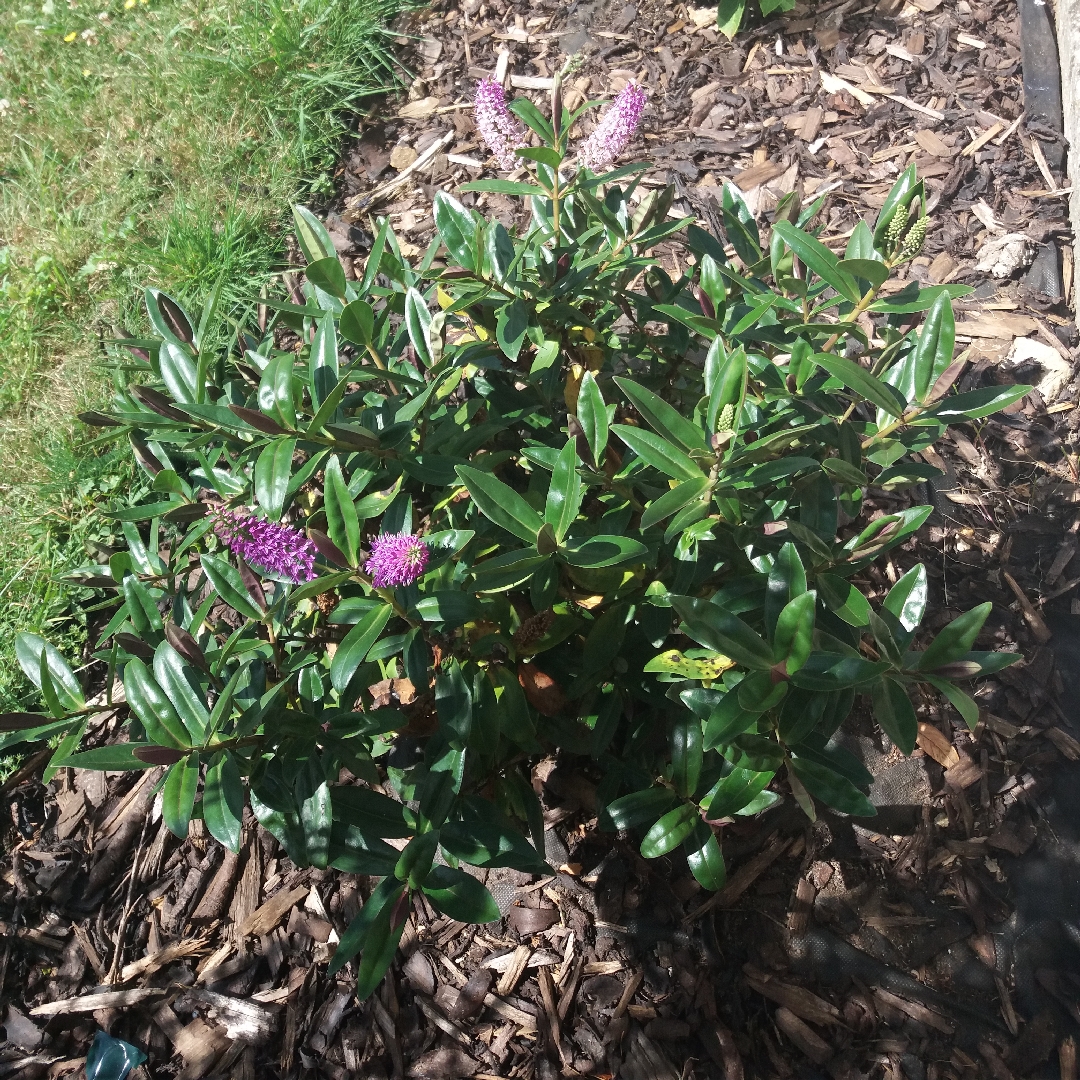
(154, 143)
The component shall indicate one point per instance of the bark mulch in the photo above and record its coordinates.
(938, 941)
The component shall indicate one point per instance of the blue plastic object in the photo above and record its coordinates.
(111, 1059)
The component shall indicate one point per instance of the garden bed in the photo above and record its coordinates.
(936, 940)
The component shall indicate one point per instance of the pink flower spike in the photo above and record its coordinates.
(396, 559)
(498, 126)
(615, 130)
(267, 545)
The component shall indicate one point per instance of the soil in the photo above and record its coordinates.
(937, 941)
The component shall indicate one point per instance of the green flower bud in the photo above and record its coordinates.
(915, 238)
(897, 226)
(725, 422)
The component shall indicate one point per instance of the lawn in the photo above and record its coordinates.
(142, 142)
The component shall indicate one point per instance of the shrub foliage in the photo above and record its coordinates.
(534, 494)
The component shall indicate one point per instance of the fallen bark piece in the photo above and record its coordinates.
(1034, 620)
(242, 1019)
(720, 1046)
(264, 918)
(915, 1011)
(797, 999)
(807, 1040)
(164, 956)
(88, 1003)
(200, 1045)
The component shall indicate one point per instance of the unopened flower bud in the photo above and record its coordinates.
(897, 226)
(915, 238)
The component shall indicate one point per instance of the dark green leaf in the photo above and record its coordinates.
(457, 229)
(351, 652)
(719, 630)
(605, 551)
(223, 800)
(384, 896)
(659, 454)
(357, 322)
(460, 896)
(342, 523)
(180, 683)
(635, 809)
(501, 504)
(418, 322)
(592, 415)
(272, 472)
(976, 404)
(895, 713)
(315, 241)
(119, 757)
(670, 831)
(818, 258)
(955, 639)
(686, 754)
(564, 492)
(861, 382)
(328, 275)
(229, 585)
(705, 858)
(153, 708)
(178, 795)
(732, 792)
(793, 639)
(831, 788)
(662, 417)
(844, 599)
(673, 500)
(29, 650)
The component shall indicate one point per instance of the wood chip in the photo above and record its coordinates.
(807, 1040)
(510, 976)
(88, 1003)
(915, 1010)
(932, 143)
(980, 141)
(1064, 742)
(263, 919)
(1034, 620)
(157, 960)
(798, 999)
(932, 742)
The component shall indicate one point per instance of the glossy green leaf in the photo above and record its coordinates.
(501, 504)
(323, 363)
(119, 757)
(178, 795)
(181, 685)
(831, 671)
(384, 895)
(705, 859)
(178, 372)
(593, 417)
(564, 492)
(152, 706)
(671, 501)
(223, 800)
(670, 831)
(229, 585)
(342, 522)
(658, 453)
(453, 702)
(351, 652)
(418, 323)
(717, 629)
(787, 580)
(630, 811)
(975, 404)
(273, 470)
(933, 352)
(457, 229)
(739, 224)
(357, 322)
(861, 382)
(511, 323)
(380, 946)
(665, 420)
(686, 754)
(29, 650)
(831, 788)
(328, 275)
(276, 390)
(487, 844)
(900, 194)
(843, 599)
(315, 241)
(954, 640)
(600, 551)
(316, 812)
(819, 259)
(793, 639)
(732, 792)
(460, 896)
(895, 713)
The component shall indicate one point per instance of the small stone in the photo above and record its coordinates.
(402, 156)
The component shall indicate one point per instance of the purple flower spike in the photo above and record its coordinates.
(615, 130)
(396, 559)
(269, 545)
(497, 125)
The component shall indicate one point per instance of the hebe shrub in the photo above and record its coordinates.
(529, 496)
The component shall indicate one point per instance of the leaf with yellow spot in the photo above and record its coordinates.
(707, 669)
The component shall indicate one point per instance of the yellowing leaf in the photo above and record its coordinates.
(674, 662)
